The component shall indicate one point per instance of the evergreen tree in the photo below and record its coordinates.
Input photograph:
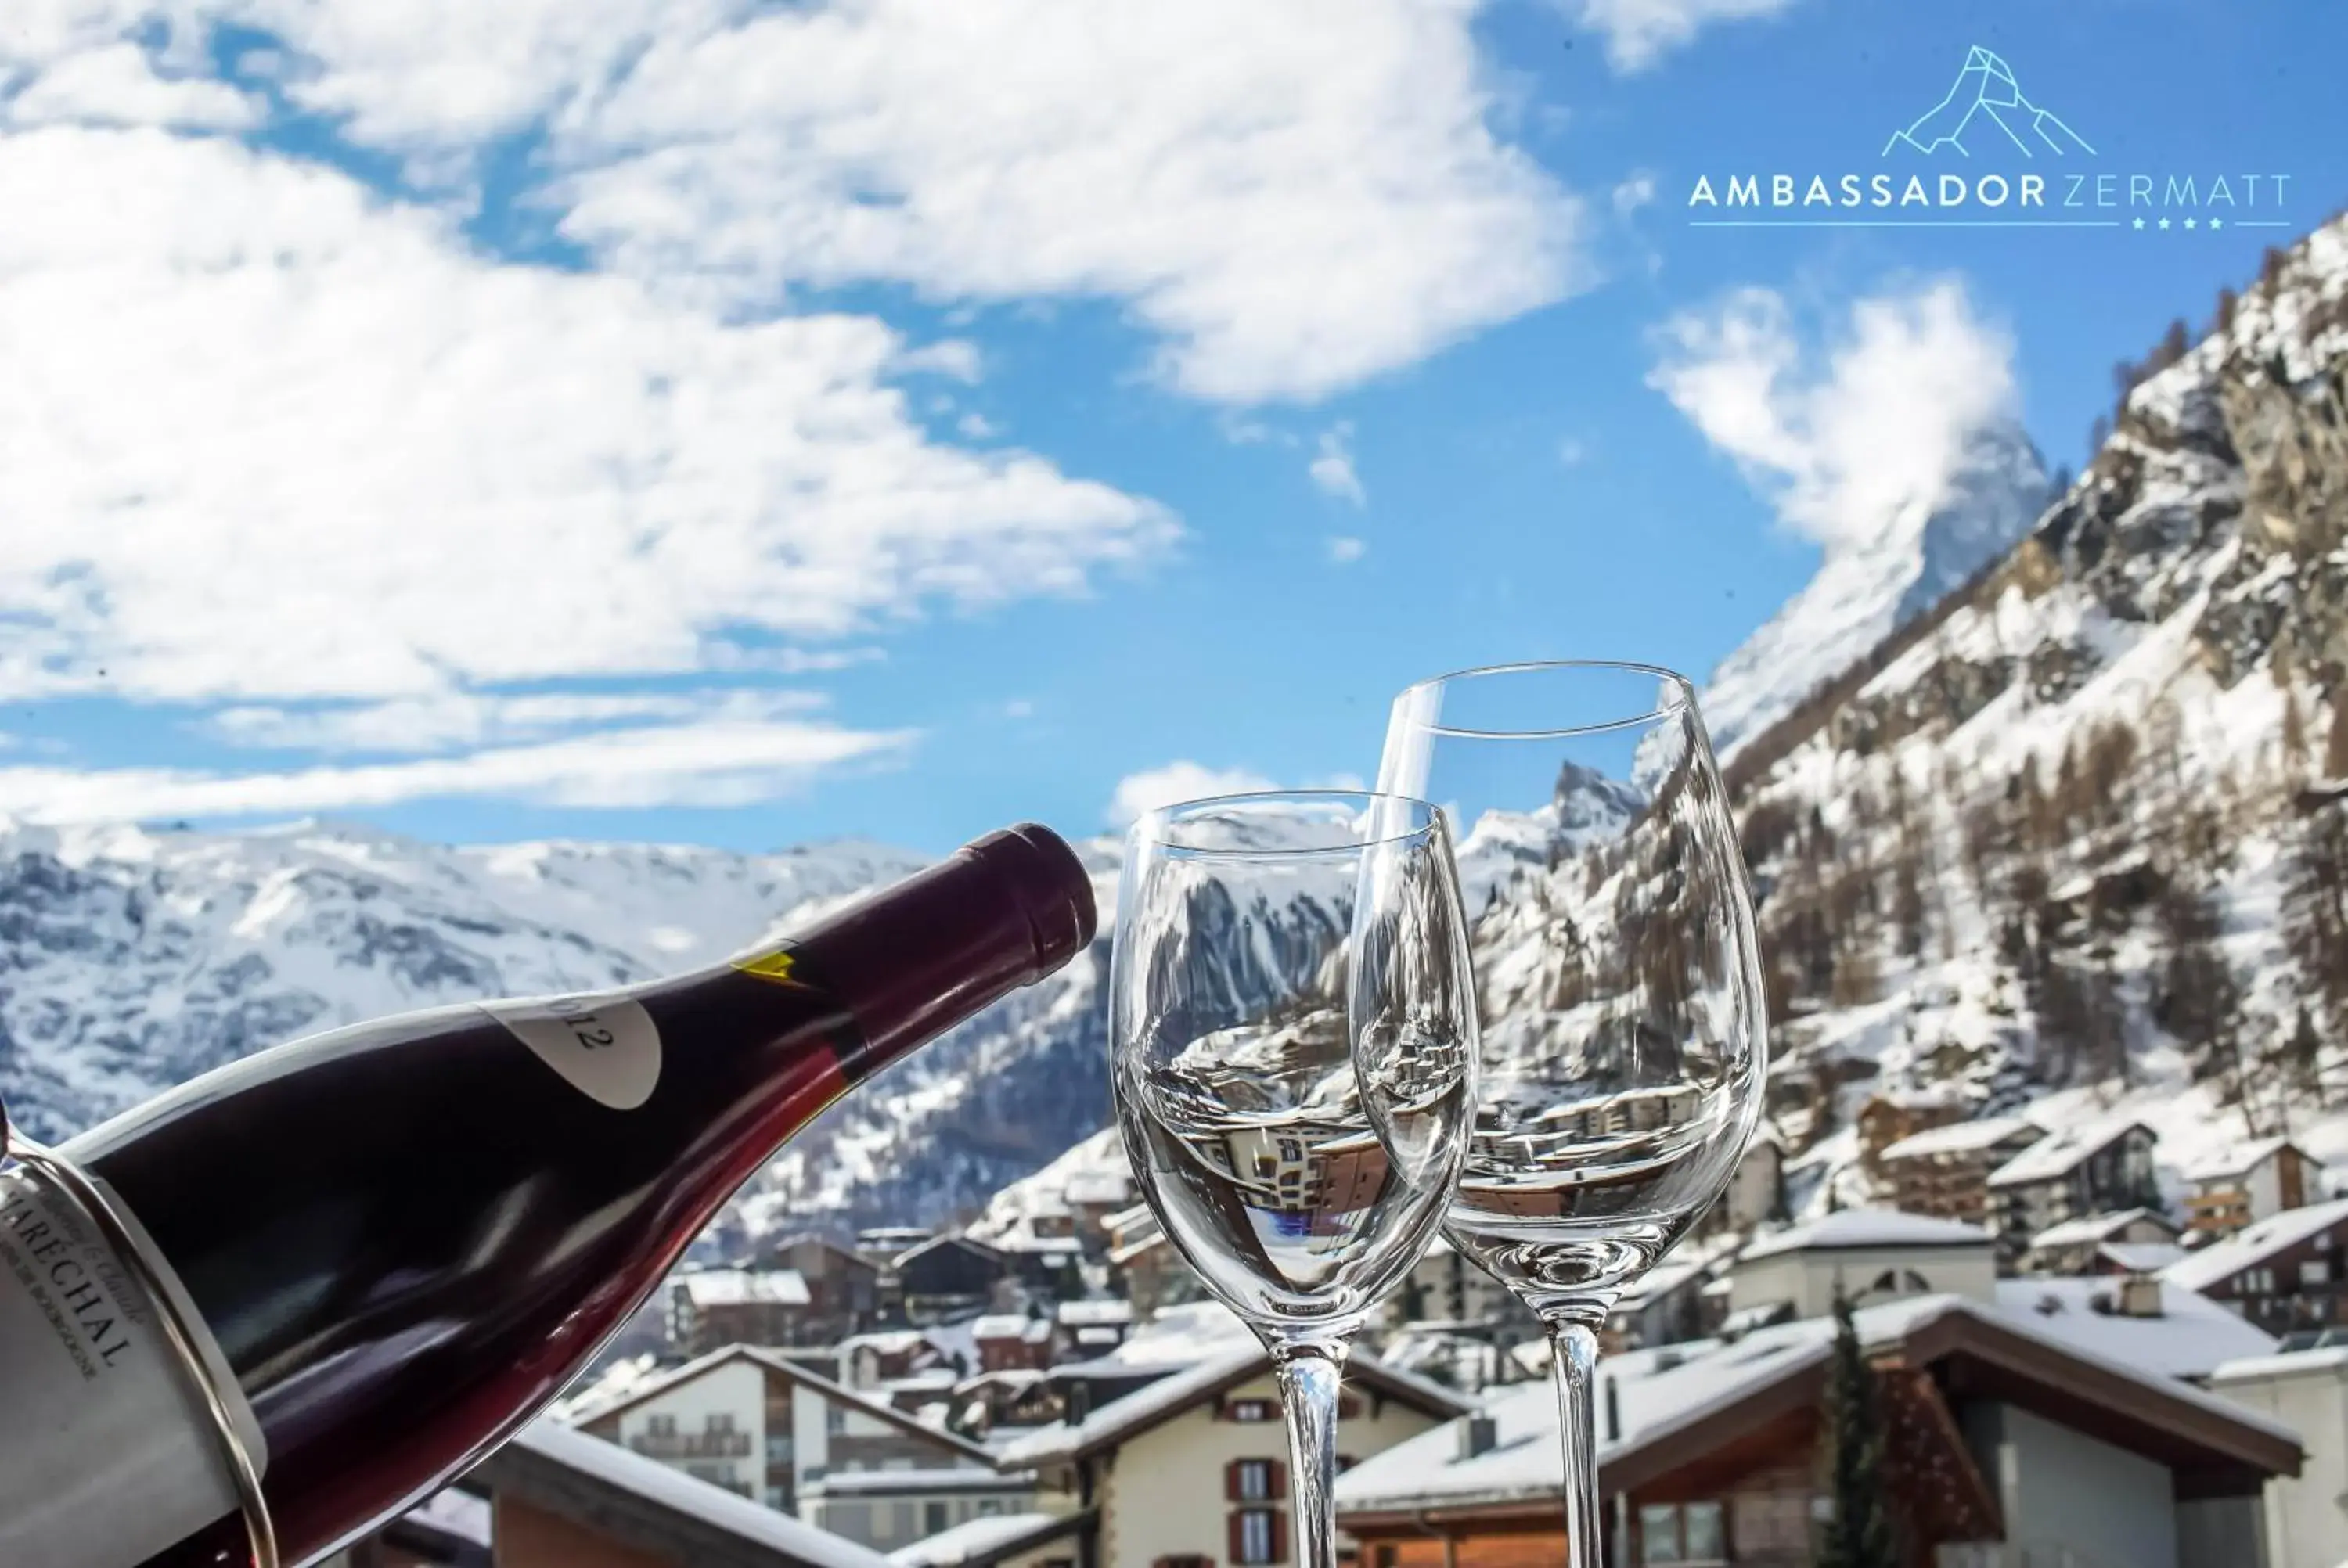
(1861, 1534)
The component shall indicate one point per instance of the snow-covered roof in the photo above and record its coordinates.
(1665, 1393)
(1000, 1326)
(674, 1491)
(987, 1538)
(1075, 1313)
(961, 1478)
(2059, 1153)
(1099, 1187)
(1180, 1335)
(2190, 1338)
(1132, 1414)
(1963, 1137)
(2096, 1228)
(2239, 1161)
(1856, 1228)
(2141, 1257)
(884, 1342)
(2285, 1364)
(582, 1413)
(1045, 1246)
(744, 1287)
(1931, 1096)
(2199, 1270)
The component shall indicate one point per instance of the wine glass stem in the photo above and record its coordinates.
(1573, 1357)
(1308, 1376)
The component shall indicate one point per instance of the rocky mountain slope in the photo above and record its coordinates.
(2078, 836)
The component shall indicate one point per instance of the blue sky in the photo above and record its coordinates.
(652, 421)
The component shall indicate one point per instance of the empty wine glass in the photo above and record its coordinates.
(1623, 1042)
(1294, 1030)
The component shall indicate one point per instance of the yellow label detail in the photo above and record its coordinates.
(775, 966)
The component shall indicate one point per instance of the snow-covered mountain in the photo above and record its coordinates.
(2077, 840)
(131, 959)
(1927, 550)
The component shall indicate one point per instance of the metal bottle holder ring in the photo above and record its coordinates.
(194, 1376)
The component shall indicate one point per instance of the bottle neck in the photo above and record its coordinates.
(931, 952)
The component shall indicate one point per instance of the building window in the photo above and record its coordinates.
(934, 1518)
(1682, 1533)
(1251, 1481)
(1247, 1410)
(1255, 1536)
(2315, 1271)
(718, 1421)
(660, 1426)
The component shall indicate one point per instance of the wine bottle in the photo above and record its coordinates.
(398, 1242)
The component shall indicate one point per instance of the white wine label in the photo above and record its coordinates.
(107, 1456)
(607, 1045)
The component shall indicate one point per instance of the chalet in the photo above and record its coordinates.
(761, 1426)
(1083, 1329)
(947, 1276)
(843, 1287)
(1710, 1455)
(556, 1498)
(1866, 1254)
(1193, 1469)
(1093, 1196)
(2282, 1274)
(1944, 1172)
(1885, 1118)
(714, 1306)
(2247, 1183)
(2076, 1247)
(1011, 1342)
(2071, 1175)
(871, 1361)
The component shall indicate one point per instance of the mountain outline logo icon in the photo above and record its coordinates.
(1987, 103)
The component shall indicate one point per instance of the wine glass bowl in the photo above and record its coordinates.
(1619, 989)
(1295, 1048)
(1293, 1027)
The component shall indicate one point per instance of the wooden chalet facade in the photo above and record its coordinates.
(2283, 1274)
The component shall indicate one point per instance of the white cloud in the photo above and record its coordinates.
(1345, 549)
(1875, 430)
(451, 720)
(1639, 31)
(274, 438)
(1333, 466)
(1290, 198)
(117, 83)
(1572, 451)
(715, 762)
(1634, 193)
(1179, 781)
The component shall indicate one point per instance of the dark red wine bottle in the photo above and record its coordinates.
(399, 1241)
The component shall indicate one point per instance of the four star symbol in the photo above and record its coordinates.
(2217, 222)
(2139, 223)
(2189, 223)
(2197, 221)
(2164, 223)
